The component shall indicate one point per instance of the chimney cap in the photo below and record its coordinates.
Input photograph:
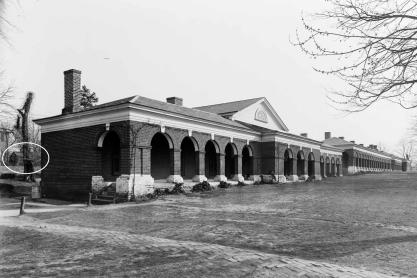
(175, 100)
(72, 70)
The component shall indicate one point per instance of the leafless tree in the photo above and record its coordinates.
(134, 129)
(408, 149)
(370, 44)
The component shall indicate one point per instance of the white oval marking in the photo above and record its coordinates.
(21, 143)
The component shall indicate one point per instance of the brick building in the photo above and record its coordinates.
(137, 141)
(358, 158)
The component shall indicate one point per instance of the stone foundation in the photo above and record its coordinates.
(292, 178)
(175, 179)
(255, 178)
(220, 178)
(134, 185)
(238, 178)
(97, 184)
(199, 178)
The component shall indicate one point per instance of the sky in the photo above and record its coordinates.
(206, 52)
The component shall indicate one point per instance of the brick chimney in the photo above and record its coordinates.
(72, 89)
(327, 135)
(175, 100)
(304, 134)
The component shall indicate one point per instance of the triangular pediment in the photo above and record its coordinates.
(260, 114)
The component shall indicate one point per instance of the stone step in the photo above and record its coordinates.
(105, 197)
(100, 201)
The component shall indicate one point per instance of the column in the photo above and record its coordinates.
(221, 163)
(175, 171)
(238, 168)
(200, 175)
(293, 176)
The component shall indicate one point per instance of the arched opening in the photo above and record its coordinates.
(322, 166)
(300, 163)
(332, 167)
(211, 159)
(288, 162)
(110, 156)
(328, 166)
(160, 156)
(189, 158)
(311, 166)
(230, 160)
(247, 162)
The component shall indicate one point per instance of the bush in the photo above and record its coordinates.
(241, 183)
(202, 187)
(224, 184)
(177, 189)
(310, 179)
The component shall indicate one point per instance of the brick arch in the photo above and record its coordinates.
(216, 145)
(202, 139)
(301, 153)
(249, 148)
(101, 135)
(290, 153)
(222, 142)
(193, 140)
(234, 148)
(146, 133)
(177, 135)
(240, 144)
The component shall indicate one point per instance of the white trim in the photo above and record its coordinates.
(330, 152)
(184, 123)
(131, 112)
(372, 153)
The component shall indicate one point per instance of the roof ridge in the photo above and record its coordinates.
(242, 100)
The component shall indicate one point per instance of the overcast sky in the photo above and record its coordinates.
(203, 51)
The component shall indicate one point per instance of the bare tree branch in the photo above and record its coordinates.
(372, 46)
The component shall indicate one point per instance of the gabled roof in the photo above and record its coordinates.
(335, 141)
(229, 107)
(164, 106)
(140, 101)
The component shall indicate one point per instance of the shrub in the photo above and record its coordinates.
(224, 184)
(177, 189)
(310, 179)
(241, 183)
(202, 187)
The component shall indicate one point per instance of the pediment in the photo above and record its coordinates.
(260, 114)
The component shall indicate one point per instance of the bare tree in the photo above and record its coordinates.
(371, 45)
(23, 122)
(134, 129)
(408, 149)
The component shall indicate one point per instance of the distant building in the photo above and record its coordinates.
(358, 158)
(141, 141)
